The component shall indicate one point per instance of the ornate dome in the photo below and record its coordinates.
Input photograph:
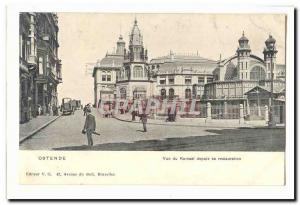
(121, 39)
(270, 40)
(243, 38)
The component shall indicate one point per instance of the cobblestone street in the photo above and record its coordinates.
(65, 134)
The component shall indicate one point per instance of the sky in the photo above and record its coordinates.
(86, 37)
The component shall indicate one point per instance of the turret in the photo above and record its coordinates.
(120, 46)
(243, 52)
(270, 56)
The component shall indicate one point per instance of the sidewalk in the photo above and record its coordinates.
(28, 129)
(197, 122)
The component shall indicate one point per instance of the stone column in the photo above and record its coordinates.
(241, 114)
(248, 107)
(225, 110)
(266, 114)
(208, 111)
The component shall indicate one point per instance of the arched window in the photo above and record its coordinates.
(231, 71)
(127, 74)
(188, 93)
(163, 93)
(257, 73)
(171, 93)
(137, 71)
(123, 93)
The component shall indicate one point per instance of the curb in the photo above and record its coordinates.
(37, 130)
(206, 125)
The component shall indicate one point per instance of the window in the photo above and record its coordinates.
(209, 79)
(20, 46)
(123, 93)
(163, 93)
(171, 93)
(103, 77)
(188, 81)
(188, 93)
(137, 72)
(108, 78)
(171, 81)
(201, 80)
(257, 73)
(162, 82)
(41, 66)
(23, 46)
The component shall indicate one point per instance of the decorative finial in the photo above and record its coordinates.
(135, 21)
(220, 57)
(243, 33)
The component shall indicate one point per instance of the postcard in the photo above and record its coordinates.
(150, 99)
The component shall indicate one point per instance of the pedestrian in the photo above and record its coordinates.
(143, 118)
(54, 108)
(39, 109)
(84, 110)
(133, 115)
(50, 111)
(89, 126)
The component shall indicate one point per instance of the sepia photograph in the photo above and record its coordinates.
(181, 101)
(152, 81)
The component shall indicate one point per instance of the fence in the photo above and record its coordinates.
(225, 111)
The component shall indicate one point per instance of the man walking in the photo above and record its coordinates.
(143, 118)
(84, 110)
(89, 126)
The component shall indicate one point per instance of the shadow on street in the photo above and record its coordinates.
(243, 139)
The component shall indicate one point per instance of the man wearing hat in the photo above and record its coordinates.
(143, 118)
(89, 126)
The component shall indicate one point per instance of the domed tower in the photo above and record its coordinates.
(120, 46)
(243, 53)
(270, 57)
(137, 80)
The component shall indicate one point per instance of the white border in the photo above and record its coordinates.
(17, 191)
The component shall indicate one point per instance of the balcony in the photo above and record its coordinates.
(32, 60)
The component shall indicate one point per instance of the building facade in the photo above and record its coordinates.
(235, 76)
(40, 67)
(105, 73)
(224, 83)
(175, 75)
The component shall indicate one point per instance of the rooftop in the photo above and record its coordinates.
(184, 63)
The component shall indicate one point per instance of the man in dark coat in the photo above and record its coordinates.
(143, 118)
(89, 126)
(84, 110)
